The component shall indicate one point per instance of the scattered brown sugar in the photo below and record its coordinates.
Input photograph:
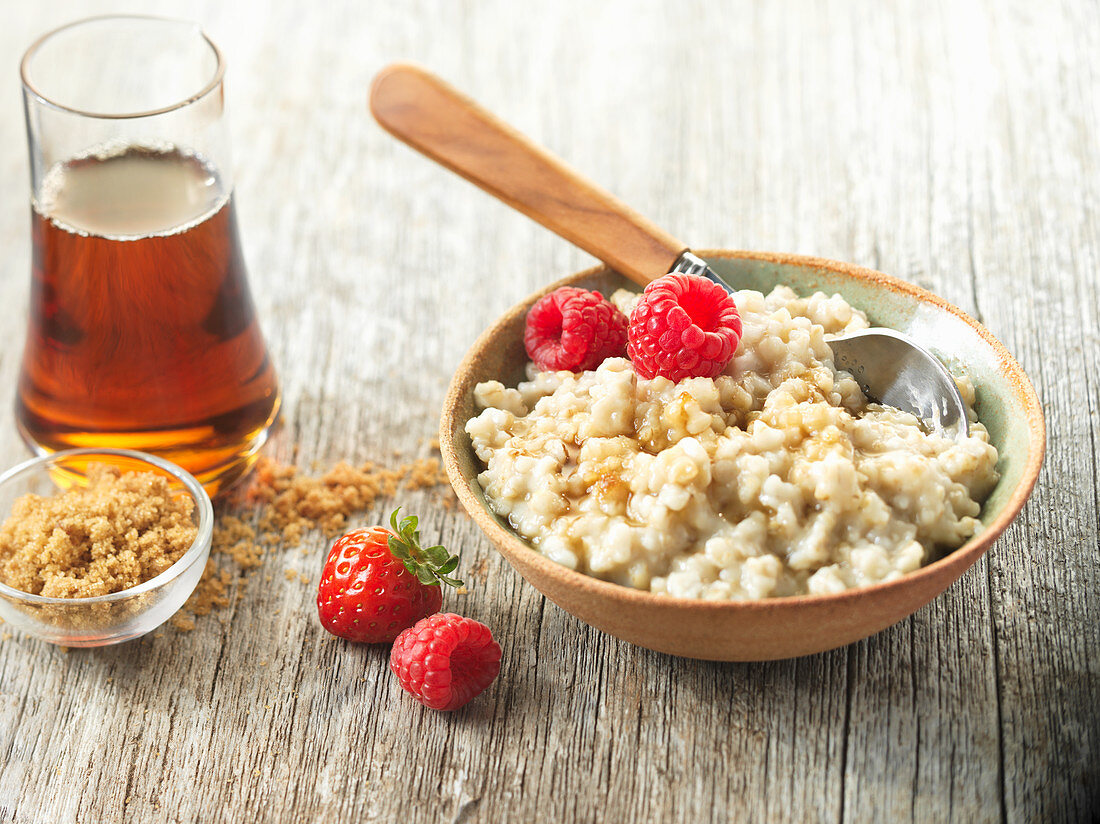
(118, 531)
(282, 506)
(425, 472)
(183, 621)
(210, 594)
(233, 537)
(294, 504)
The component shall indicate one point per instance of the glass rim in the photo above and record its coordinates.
(31, 89)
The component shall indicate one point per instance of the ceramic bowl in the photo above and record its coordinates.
(777, 627)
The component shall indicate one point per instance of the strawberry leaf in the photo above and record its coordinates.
(437, 554)
(431, 565)
(398, 549)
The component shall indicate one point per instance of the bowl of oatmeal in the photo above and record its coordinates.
(99, 545)
(767, 513)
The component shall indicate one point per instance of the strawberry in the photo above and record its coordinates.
(377, 582)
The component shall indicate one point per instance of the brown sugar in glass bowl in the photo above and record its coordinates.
(132, 590)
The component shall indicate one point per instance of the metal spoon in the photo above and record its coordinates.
(441, 123)
(890, 368)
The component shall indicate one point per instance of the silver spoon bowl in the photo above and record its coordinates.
(774, 627)
(889, 367)
(894, 371)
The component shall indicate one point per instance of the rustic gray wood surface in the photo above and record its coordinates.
(954, 144)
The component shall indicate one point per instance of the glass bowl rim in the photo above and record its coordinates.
(199, 546)
(213, 83)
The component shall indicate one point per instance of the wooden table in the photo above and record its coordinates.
(952, 144)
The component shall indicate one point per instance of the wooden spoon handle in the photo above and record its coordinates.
(440, 122)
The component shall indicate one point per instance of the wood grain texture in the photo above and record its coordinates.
(951, 143)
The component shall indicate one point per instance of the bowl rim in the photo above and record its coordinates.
(953, 563)
(200, 546)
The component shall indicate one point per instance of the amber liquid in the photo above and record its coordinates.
(142, 331)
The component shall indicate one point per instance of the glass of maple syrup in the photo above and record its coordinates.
(142, 333)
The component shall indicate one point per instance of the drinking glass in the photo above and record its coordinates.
(141, 332)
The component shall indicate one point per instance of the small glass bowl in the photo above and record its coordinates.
(120, 616)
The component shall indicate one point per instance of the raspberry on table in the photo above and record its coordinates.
(574, 329)
(684, 326)
(445, 660)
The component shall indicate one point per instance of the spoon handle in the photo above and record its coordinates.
(440, 122)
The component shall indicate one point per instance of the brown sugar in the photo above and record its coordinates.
(118, 531)
(294, 503)
(425, 472)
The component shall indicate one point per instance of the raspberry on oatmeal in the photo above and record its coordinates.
(573, 329)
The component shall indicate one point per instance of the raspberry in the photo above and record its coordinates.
(684, 326)
(445, 660)
(574, 329)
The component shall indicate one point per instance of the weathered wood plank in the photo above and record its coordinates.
(1044, 298)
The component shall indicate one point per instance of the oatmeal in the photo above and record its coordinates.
(776, 478)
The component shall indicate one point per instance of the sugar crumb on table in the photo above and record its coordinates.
(281, 505)
(424, 472)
